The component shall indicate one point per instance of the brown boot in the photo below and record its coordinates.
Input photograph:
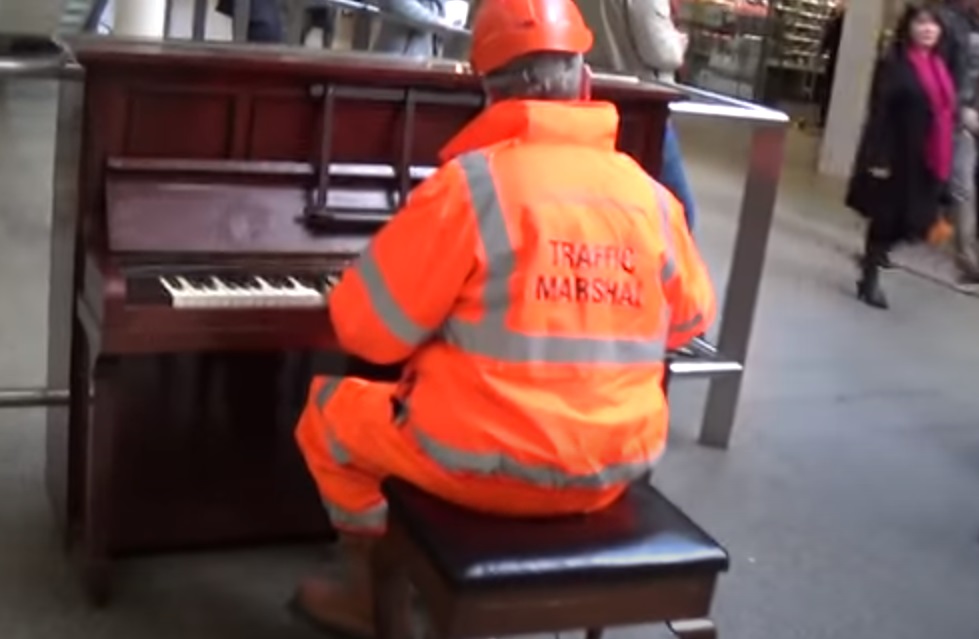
(339, 600)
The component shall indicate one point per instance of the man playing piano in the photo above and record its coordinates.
(533, 286)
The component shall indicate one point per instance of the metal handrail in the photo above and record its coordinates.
(37, 65)
(757, 209)
(708, 103)
(33, 397)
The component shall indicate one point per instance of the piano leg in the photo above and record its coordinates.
(100, 444)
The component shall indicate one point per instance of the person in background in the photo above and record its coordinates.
(531, 287)
(961, 49)
(905, 155)
(265, 21)
(829, 46)
(401, 39)
(639, 37)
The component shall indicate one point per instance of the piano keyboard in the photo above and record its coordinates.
(247, 291)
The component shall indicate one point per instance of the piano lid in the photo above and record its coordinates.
(364, 67)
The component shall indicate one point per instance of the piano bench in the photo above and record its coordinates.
(641, 560)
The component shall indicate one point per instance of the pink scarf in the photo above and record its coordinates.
(937, 84)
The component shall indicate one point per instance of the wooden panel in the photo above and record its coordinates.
(366, 129)
(281, 127)
(440, 124)
(179, 124)
(187, 217)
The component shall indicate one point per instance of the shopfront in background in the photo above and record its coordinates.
(759, 50)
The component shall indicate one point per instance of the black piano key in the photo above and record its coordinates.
(309, 281)
(238, 281)
(251, 283)
(232, 282)
(173, 282)
(279, 281)
(201, 282)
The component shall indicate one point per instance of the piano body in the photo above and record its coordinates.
(217, 191)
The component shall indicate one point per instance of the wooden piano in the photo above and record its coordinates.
(215, 192)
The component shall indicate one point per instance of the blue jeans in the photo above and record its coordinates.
(265, 21)
(674, 177)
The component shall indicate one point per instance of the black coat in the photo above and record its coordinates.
(895, 135)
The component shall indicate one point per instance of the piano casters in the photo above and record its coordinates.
(319, 216)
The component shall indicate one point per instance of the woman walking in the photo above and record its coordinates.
(905, 156)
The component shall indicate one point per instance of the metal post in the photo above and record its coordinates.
(33, 397)
(199, 25)
(167, 19)
(725, 368)
(295, 11)
(242, 16)
(744, 282)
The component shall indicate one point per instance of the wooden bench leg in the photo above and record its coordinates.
(693, 629)
(594, 633)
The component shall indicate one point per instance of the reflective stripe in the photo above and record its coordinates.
(490, 336)
(691, 324)
(503, 465)
(371, 519)
(327, 391)
(384, 304)
(323, 397)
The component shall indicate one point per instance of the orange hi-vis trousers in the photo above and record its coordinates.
(351, 441)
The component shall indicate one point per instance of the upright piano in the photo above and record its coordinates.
(207, 198)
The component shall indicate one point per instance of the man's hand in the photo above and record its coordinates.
(879, 172)
(970, 120)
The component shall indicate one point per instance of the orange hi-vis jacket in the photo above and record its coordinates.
(534, 284)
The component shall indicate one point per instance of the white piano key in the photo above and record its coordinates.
(243, 296)
(307, 295)
(176, 295)
(190, 296)
(273, 295)
(215, 292)
(222, 295)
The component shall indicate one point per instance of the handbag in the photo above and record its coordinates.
(940, 232)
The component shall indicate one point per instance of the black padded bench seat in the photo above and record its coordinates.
(641, 560)
(642, 535)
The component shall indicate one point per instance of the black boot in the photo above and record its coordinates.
(883, 260)
(868, 288)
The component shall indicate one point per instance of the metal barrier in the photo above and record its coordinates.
(757, 210)
(723, 366)
(34, 57)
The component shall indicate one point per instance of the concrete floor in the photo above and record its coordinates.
(849, 500)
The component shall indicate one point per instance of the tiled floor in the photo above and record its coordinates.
(849, 500)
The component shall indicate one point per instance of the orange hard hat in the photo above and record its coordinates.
(504, 30)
